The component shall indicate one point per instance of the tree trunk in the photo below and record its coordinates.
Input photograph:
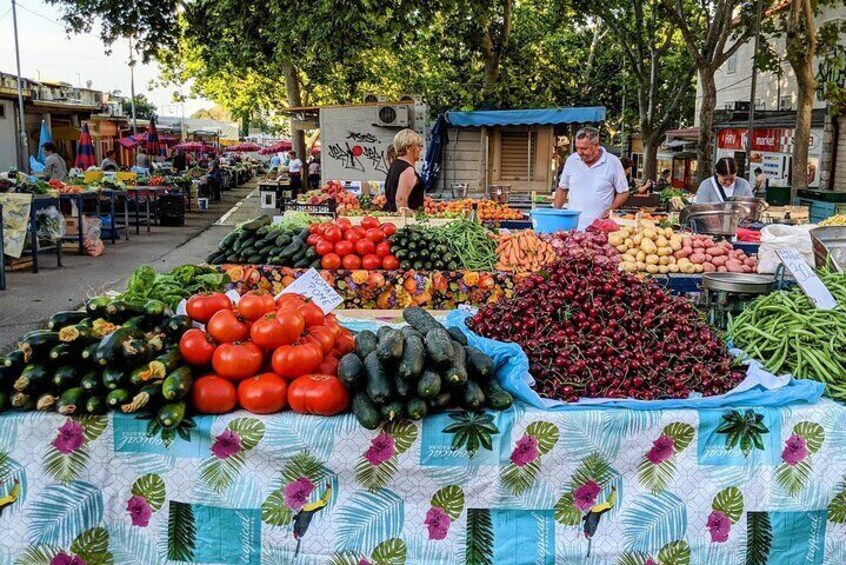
(806, 85)
(651, 142)
(294, 95)
(705, 149)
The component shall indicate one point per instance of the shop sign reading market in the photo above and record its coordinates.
(771, 151)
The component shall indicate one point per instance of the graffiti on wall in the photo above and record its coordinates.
(360, 152)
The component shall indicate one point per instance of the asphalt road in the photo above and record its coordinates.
(30, 299)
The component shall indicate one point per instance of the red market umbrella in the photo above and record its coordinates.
(85, 150)
(284, 145)
(153, 146)
(246, 147)
(194, 147)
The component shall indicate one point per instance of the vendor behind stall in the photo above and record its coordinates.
(593, 180)
(724, 184)
(403, 186)
(109, 163)
(54, 166)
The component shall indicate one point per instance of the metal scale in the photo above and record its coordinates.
(727, 294)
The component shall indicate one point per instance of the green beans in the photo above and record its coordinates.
(788, 334)
(471, 242)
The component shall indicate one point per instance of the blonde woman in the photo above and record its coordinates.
(403, 186)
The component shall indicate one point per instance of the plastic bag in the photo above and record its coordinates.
(92, 227)
(777, 236)
(50, 224)
(603, 225)
(35, 166)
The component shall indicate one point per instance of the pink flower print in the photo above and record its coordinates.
(719, 525)
(140, 511)
(650, 561)
(438, 523)
(662, 449)
(63, 558)
(525, 451)
(585, 496)
(363, 561)
(381, 449)
(297, 492)
(795, 450)
(226, 445)
(71, 437)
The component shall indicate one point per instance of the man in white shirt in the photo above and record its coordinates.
(295, 171)
(593, 180)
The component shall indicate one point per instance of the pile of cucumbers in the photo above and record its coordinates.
(112, 355)
(420, 369)
(259, 243)
(425, 248)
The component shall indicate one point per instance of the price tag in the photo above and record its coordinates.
(807, 279)
(311, 285)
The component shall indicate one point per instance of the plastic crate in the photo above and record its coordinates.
(820, 210)
(171, 209)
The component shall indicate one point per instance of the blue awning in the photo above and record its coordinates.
(543, 116)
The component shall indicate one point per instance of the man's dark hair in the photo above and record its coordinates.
(110, 153)
(294, 153)
(758, 170)
(49, 146)
(626, 162)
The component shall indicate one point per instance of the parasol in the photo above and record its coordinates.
(85, 150)
(44, 138)
(245, 147)
(284, 145)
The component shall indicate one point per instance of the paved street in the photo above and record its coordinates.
(32, 298)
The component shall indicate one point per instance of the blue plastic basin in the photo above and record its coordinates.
(551, 220)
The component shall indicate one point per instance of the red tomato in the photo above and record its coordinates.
(237, 361)
(318, 394)
(322, 336)
(324, 247)
(343, 223)
(365, 247)
(345, 342)
(276, 330)
(329, 366)
(213, 395)
(344, 247)
(371, 262)
(201, 307)
(291, 361)
(321, 228)
(331, 322)
(311, 313)
(313, 228)
(312, 239)
(197, 348)
(263, 394)
(331, 262)
(256, 304)
(383, 248)
(334, 234)
(352, 262)
(290, 300)
(226, 326)
(359, 230)
(375, 235)
(368, 222)
(352, 235)
(390, 263)
(388, 229)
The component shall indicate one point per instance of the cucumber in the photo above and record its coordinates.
(413, 357)
(95, 405)
(155, 308)
(429, 385)
(63, 354)
(227, 241)
(365, 343)
(283, 240)
(440, 402)
(292, 249)
(113, 378)
(302, 263)
(351, 370)
(479, 365)
(315, 264)
(117, 397)
(70, 318)
(365, 411)
(36, 345)
(254, 259)
(15, 361)
(392, 410)
(96, 307)
(457, 335)
(171, 415)
(177, 384)
(252, 225)
(420, 319)
(497, 397)
(456, 375)
(111, 348)
(377, 386)
(66, 377)
(70, 401)
(34, 378)
(403, 387)
(390, 347)
(416, 408)
(91, 382)
(382, 332)
(472, 396)
(439, 347)
(408, 331)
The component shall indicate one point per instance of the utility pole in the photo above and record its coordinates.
(24, 145)
(750, 128)
(132, 87)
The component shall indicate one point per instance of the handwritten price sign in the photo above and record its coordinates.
(807, 279)
(311, 285)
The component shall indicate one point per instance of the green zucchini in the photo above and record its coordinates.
(66, 377)
(113, 378)
(91, 382)
(403, 387)
(96, 307)
(479, 365)
(136, 350)
(365, 343)
(95, 405)
(365, 411)
(351, 370)
(439, 347)
(302, 263)
(36, 345)
(117, 397)
(390, 346)
(148, 393)
(138, 322)
(34, 378)
(177, 384)
(497, 397)
(472, 396)
(63, 354)
(377, 386)
(176, 326)
(111, 348)
(416, 408)
(8, 375)
(413, 358)
(420, 319)
(456, 375)
(15, 361)
(70, 318)
(251, 226)
(71, 401)
(89, 353)
(457, 335)
(392, 410)
(440, 402)
(148, 372)
(171, 360)
(119, 311)
(171, 415)
(429, 385)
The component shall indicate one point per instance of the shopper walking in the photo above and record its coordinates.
(295, 172)
(314, 174)
(403, 186)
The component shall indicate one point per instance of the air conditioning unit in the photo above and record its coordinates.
(741, 105)
(411, 99)
(393, 116)
(373, 98)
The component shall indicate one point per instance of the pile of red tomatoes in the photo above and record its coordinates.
(265, 355)
(344, 246)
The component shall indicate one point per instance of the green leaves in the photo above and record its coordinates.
(681, 433)
(675, 553)
(451, 500)
(759, 538)
(837, 506)
(389, 552)
(480, 537)
(744, 430)
(152, 488)
(729, 501)
(472, 430)
(546, 433)
(181, 532)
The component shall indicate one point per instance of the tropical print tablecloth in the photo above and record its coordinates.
(753, 486)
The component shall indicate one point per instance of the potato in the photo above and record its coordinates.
(747, 269)
(652, 259)
(698, 268)
(697, 244)
(684, 261)
(673, 268)
(641, 255)
(722, 270)
(631, 252)
(697, 258)
(687, 268)
(663, 269)
(615, 240)
(661, 241)
(750, 262)
(650, 233)
(715, 251)
(621, 248)
(652, 269)
(719, 261)
(669, 233)
(646, 224)
(675, 244)
(641, 266)
(628, 267)
(734, 266)
(648, 245)
(682, 253)
(708, 258)
(663, 260)
(708, 267)
(664, 251)
(637, 239)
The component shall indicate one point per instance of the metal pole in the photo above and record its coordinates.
(750, 128)
(132, 87)
(623, 129)
(24, 144)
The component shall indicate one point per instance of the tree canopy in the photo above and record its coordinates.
(144, 109)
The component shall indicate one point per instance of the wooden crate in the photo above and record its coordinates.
(18, 264)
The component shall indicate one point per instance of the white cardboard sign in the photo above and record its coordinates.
(807, 278)
(311, 285)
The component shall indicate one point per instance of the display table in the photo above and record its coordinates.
(644, 484)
